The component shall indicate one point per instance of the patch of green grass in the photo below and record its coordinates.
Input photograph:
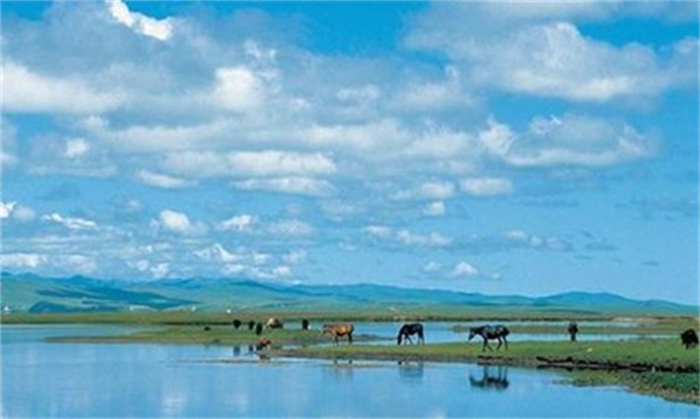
(639, 326)
(671, 386)
(666, 354)
(224, 335)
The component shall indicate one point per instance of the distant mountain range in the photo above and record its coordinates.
(37, 294)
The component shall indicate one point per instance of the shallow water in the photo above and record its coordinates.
(438, 332)
(42, 379)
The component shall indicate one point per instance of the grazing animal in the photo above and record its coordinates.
(498, 332)
(251, 325)
(410, 329)
(263, 343)
(573, 330)
(304, 324)
(237, 323)
(689, 338)
(274, 323)
(259, 329)
(339, 330)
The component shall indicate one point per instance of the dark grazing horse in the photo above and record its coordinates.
(410, 329)
(488, 332)
(689, 338)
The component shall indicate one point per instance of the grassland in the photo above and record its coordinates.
(636, 326)
(213, 335)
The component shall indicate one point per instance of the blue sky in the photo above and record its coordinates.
(528, 148)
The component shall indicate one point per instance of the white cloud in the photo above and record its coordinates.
(464, 269)
(486, 187)
(240, 223)
(6, 209)
(407, 238)
(72, 223)
(378, 231)
(25, 91)
(140, 23)
(568, 140)
(282, 271)
(21, 260)
(432, 267)
(291, 227)
(179, 223)
(64, 263)
(428, 190)
(239, 89)
(289, 185)
(249, 163)
(76, 148)
(295, 257)
(435, 209)
(160, 180)
(217, 253)
(534, 50)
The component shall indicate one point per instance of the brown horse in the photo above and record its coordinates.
(339, 330)
(263, 343)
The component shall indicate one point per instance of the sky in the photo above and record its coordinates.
(502, 148)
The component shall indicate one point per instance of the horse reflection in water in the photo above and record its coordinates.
(411, 370)
(490, 379)
(340, 369)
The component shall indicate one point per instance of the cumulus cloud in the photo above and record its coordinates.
(567, 140)
(63, 263)
(536, 50)
(25, 91)
(179, 223)
(405, 237)
(240, 223)
(486, 187)
(71, 223)
(428, 190)
(140, 23)
(160, 180)
(239, 89)
(76, 148)
(249, 163)
(290, 227)
(435, 209)
(289, 185)
(464, 269)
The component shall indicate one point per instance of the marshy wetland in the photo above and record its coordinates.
(169, 367)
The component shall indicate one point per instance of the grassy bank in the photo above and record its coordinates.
(216, 335)
(660, 367)
(670, 386)
(637, 326)
(657, 354)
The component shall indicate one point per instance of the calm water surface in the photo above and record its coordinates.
(42, 379)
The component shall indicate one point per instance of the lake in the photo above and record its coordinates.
(42, 379)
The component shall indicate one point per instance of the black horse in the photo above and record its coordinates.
(410, 329)
(689, 338)
(487, 332)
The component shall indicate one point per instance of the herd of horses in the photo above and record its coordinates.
(499, 333)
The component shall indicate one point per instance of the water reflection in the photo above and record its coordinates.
(492, 378)
(342, 369)
(411, 370)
